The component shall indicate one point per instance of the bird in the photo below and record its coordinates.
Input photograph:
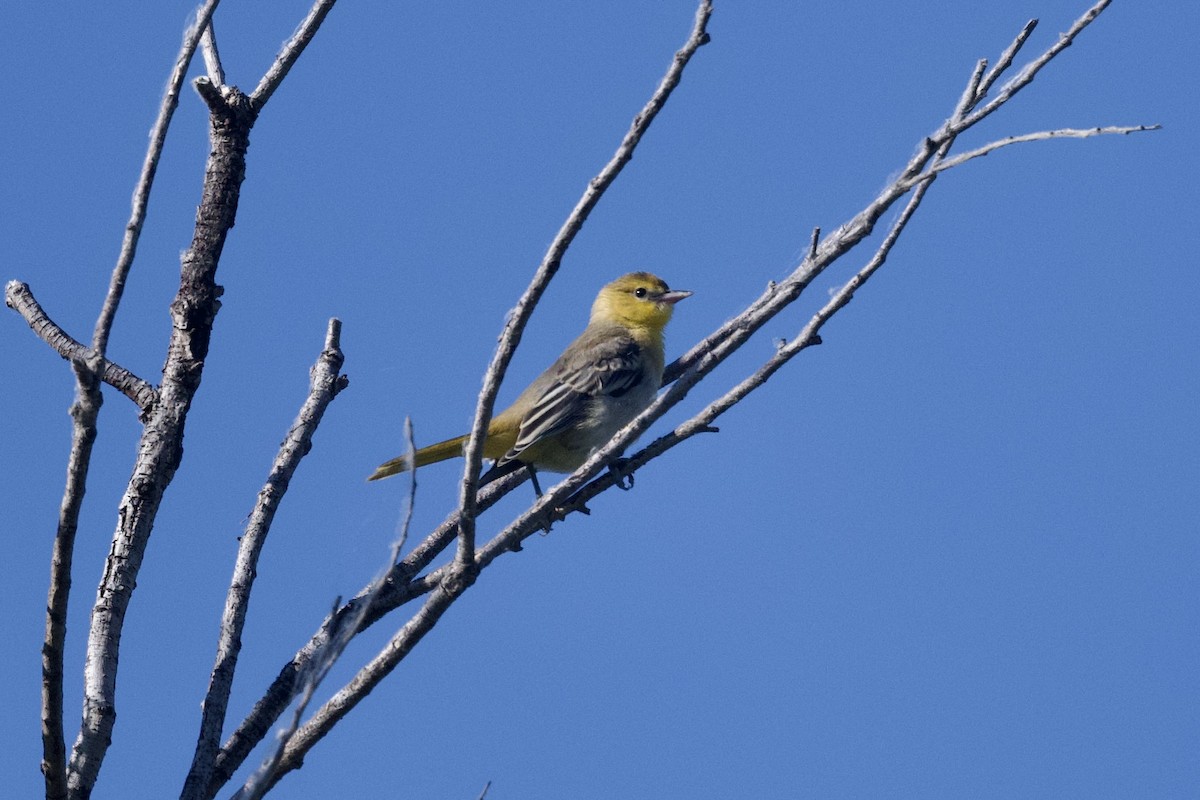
(604, 379)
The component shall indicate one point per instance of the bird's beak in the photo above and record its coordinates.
(671, 298)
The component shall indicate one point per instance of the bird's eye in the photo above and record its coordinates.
(639, 292)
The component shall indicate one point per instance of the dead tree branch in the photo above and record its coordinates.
(290, 53)
(232, 115)
(84, 412)
(1039, 136)
(141, 194)
(192, 312)
(400, 586)
(280, 761)
(19, 297)
(326, 382)
(212, 56)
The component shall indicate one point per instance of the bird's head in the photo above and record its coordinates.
(638, 300)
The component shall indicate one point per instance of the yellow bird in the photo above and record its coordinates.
(601, 381)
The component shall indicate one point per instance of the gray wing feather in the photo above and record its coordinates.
(613, 368)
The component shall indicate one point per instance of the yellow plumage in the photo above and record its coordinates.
(601, 381)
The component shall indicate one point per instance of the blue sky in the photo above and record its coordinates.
(952, 552)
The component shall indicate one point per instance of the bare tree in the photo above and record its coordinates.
(413, 576)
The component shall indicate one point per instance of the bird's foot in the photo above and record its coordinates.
(622, 476)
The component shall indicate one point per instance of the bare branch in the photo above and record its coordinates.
(323, 720)
(260, 781)
(970, 95)
(159, 451)
(1030, 71)
(325, 384)
(212, 57)
(778, 296)
(809, 335)
(141, 194)
(232, 115)
(1006, 60)
(514, 326)
(1040, 136)
(84, 411)
(19, 298)
(405, 517)
(290, 53)
(702, 422)
(399, 588)
(276, 764)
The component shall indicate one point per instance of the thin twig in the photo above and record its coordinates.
(260, 781)
(19, 298)
(366, 679)
(1040, 136)
(399, 588)
(290, 52)
(971, 93)
(141, 194)
(959, 123)
(405, 521)
(275, 765)
(325, 384)
(84, 411)
(1005, 61)
(1030, 71)
(514, 326)
(212, 56)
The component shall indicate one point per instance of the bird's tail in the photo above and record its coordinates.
(426, 455)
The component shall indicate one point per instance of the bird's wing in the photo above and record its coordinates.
(609, 367)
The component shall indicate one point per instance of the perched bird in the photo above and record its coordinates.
(601, 381)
